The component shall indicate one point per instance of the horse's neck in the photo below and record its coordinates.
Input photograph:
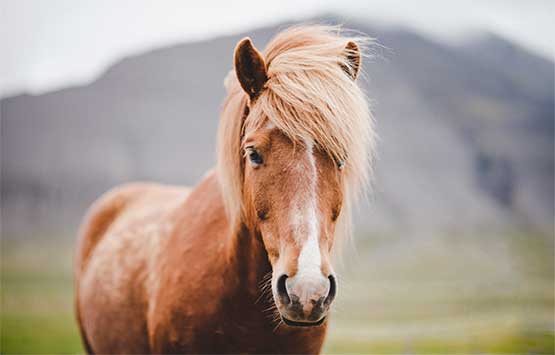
(249, 260)
(246, 261)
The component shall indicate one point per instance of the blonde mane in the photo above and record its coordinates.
(308, 95)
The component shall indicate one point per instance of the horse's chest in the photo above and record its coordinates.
(249, 333)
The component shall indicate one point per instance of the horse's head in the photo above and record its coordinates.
(296, 165)
(293, 195)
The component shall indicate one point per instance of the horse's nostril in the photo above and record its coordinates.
(282, 290)
(333, 290)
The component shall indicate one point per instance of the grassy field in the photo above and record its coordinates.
(37, 309)
(437, 295)
(461, 295)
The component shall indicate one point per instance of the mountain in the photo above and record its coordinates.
(466, 134)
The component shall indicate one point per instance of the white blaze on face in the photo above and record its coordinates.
(310, 260)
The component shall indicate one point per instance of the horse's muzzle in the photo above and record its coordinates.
(305, 302)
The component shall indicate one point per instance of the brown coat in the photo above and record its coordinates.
(159, 272)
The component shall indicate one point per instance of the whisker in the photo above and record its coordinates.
(278, 325)
(265, 286)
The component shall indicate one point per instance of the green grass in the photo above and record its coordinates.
(462, 294)
(27, 333)
(36, 300)
(487, 294)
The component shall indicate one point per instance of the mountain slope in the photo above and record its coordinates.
(466, 133)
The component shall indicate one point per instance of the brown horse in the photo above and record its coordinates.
(241, 263)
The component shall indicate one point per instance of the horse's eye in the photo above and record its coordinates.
(254, 157)
(340, 164)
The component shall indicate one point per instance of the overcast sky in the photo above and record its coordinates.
(47, 45)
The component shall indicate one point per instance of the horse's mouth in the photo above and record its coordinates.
(292, 323)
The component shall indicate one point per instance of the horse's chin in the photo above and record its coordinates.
(292, 323)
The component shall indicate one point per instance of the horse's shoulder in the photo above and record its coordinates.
(121, 200)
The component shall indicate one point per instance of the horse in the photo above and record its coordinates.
(242, 262)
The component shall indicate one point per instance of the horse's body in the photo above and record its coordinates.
(240, 263)
(152, 260)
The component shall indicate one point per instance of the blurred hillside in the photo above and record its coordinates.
(467, 134)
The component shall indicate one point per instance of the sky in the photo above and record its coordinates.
(48, 45)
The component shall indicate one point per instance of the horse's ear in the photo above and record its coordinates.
(352, 52)
(250, 68)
